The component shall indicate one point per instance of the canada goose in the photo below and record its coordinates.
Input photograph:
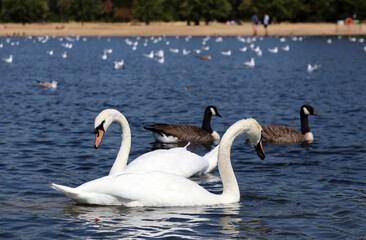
(283, 134)
(173, 133)
(208, 57)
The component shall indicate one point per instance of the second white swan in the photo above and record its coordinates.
(177, 161)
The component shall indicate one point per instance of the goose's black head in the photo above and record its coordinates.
(308, 110)
(212, 110)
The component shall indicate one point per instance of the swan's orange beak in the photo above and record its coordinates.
(98, 138)
(259, 150)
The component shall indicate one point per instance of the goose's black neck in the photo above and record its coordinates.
(304, 122)
(206, 124)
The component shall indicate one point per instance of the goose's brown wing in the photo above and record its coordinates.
(281, 134)
(184, 133)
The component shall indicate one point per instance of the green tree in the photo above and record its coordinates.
(84, 10)
(148, 10)
(215, 10)
(24, 11)
(63, 7)
(191, 10)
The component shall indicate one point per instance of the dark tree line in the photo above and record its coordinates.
(192, 11)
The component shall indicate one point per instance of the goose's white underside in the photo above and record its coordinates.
(161, 137)
(309, 137)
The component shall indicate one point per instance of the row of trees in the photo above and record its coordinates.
(192, 11)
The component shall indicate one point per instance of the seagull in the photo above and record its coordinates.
(282, 39)
(186, 52)
(52, 84)
(67, 45)
(286, 48)
(104, 56)
(64, 55)
(240, 39)
(244, 49)
(50, 52)
(150, 55)
(119, 65)
(108, 50)
(273, 50)
(9, 59)
(227, 53)
(205, 48)
(259, 53)
(174, 50)
(128, 41)
(160, 60)
(364, 48)
(251, 63)
(1, 45)
(197, 51)
(313, 68)
(219, 39)
(329, 41)
(160, 53)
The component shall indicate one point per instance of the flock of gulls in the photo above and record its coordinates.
(202, 52)
(160, 178)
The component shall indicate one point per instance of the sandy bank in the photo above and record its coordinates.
(176, 29)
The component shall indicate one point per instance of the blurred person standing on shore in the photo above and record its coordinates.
(254, 24)
(265, 23)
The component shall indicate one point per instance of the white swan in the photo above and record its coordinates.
(177, 161)
(134, 189)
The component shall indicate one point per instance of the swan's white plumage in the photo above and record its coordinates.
(177, 161)
(136, 189)
(163, 189)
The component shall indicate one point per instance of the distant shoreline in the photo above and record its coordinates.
(176, 29)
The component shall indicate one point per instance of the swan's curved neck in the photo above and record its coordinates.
(122, 157)
(230, 185)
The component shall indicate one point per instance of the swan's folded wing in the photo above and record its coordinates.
(86, 197)
(177, 161)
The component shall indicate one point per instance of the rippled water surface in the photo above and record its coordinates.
(299, 191)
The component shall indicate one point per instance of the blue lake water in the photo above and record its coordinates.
(299, 191)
